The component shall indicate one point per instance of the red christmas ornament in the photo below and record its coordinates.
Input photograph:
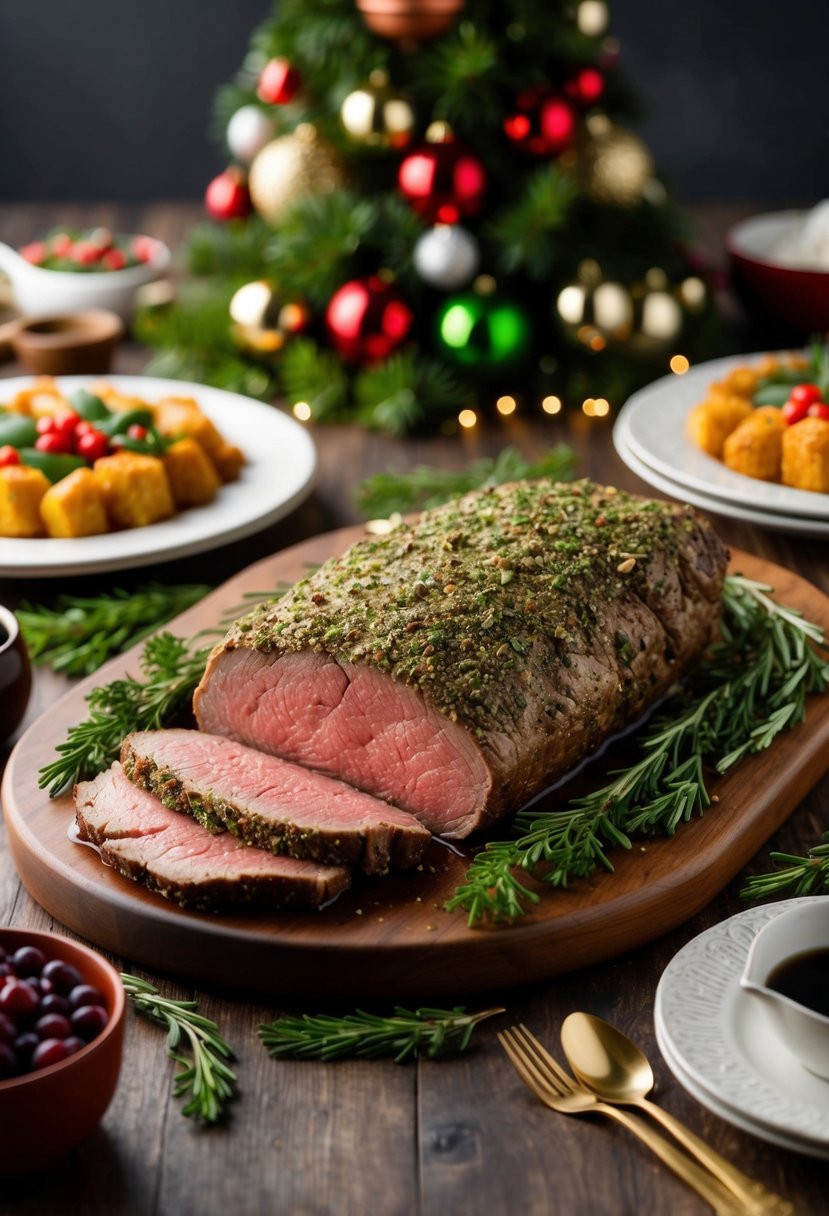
(586, 87)
(278, 82)
(227, 197)
(443, 182)
(367, 320)
(543, 123)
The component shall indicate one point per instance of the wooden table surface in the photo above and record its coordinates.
(374, 1138)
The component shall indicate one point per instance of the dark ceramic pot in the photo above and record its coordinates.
(15, 674)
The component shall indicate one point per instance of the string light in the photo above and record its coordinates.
(588, 407)
(467, 418)
(551, 405)
(506, 406)
(601, 407)
(302, 411)
(679, 364)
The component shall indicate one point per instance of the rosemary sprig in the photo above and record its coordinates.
(751, 686)
(205, 1076)
(803, 875)
(172, 667)
(79, 633)
(382, 495)
(404, 1035)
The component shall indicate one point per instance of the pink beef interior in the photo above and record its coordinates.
(352, 722)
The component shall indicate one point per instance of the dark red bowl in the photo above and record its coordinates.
(795, 297)
(45, 1113)
(15, 674)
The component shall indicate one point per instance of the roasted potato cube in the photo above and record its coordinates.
(806, 455)
(116, 401)
(43, 400)
(135, 489)
(21, 491)
(228, 460)
(742, 381)
(74, 506)
(711, 422)
(755, 447)
(180, 416)
(192, 476)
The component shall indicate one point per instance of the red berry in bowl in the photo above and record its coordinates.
(53, 1026)
(88, 1021)
(29, 960)
(18, 999)
(50, 1051)
(8, 1062)
(85, 994)
(63, 975)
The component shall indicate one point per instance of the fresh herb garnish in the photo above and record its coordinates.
(205, 1076)
(172, 668)
(404, 1035)
(751, 686)
(385, 494)
(79, 633)
(801, 875)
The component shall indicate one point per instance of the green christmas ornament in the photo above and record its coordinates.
(483, 331)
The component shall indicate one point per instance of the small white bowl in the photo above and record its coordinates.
(38, 291)
(794, 932)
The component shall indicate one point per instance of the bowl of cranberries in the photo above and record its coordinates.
(66, 272)
(61, 1038)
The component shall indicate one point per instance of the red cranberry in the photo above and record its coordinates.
(63, 975)
(50, 1051)
(18, 999)
(73, 1044)
(7, 969)
(53, 1026)
(24, 1045)
(85, 994)
(8, 1030)
(89, 1020)
(53, 1002)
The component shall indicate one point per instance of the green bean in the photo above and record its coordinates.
(117, 424)
(56, 465)
(773, 394)
(17, 430)
(90, 407)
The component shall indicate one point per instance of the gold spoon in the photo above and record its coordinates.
(608, 1063)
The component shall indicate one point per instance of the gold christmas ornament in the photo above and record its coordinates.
(595, 310)
(262, 320)
(377, 116)
(410, 21)
(614, 166)
(592, 18)
(288, 168)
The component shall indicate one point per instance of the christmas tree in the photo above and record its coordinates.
(433, 206)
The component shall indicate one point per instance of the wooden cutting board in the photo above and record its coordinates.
(392, 937)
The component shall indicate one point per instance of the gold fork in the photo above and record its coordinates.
(532, 1063)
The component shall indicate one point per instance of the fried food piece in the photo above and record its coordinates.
(176, 417)
(74, 506)
(191, 473)
(755, 447)
(135, 488)
(43, 400)
(21, 492)
(711, 422)
(806, 455)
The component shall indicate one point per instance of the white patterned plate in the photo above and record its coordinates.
(714, 1036)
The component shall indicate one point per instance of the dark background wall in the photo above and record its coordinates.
(110, 99)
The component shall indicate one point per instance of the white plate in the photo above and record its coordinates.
(279, 473)
(715, 1036)
(652, 425)
(791, 524)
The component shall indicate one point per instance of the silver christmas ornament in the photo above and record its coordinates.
(447, 256)
(248, 131)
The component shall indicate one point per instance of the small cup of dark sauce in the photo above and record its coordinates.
(15, 674)
(788, 970)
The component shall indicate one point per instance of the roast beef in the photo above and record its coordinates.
(175, 856)
(455, 666)
(271, 803)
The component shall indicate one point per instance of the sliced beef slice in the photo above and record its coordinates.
(175, 856)
(271, 803)
(458, 665)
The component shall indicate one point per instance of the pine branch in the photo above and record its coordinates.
(236, 250)
(385, 494)
(79, 633)
(318, 238)
(316, 376)
(406, 390)
(752, 686)
(204, 1075)
(527, 233)
(404, 1035)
